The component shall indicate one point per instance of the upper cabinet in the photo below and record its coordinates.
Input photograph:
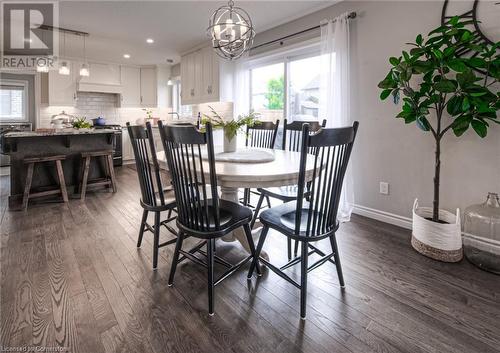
(61, 88)
(149, 96)
(137, 86)
(200, 77)
(131, 86)
(103, 74)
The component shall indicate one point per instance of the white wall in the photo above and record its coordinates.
(387, 149)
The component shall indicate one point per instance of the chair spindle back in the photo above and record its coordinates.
(332, 149)
(262, 135)
(184, 146)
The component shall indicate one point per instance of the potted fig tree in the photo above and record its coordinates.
(448, 83)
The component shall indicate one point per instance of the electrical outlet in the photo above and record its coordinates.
(384, 188)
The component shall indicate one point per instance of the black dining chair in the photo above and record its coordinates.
(314, 218)
(261, 135)
(201, 214)
(292, 141)
(154, 198)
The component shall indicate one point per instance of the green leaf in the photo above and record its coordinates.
(423, 123)
(385, 93)
(477, 62)
(445, 86)
(466, 78)
(449, 51)
(457, 65)
(480, 128)
(465, 104)
(394, 61)
(419, 39)
(406, 56)
(386, 83)
(454, 106)
(461, 124)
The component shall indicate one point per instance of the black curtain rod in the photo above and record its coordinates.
(351, 15)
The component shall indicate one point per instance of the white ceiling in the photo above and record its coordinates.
(121, 27)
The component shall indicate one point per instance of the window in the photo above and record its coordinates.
(303, 89)
(13, 100)
(287, 88)
(268, 91)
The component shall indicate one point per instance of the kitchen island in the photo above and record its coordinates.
(68, 142)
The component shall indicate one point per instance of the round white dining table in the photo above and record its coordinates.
(235, 173)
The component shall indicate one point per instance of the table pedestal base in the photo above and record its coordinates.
(231, 194)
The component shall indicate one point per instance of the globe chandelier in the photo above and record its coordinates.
(231, 31)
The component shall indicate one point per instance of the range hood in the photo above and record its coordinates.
(104, 78)
(99, 88)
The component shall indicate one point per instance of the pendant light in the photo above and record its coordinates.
(42, 63)
(84, 71)
(64, 68)
(231, 31)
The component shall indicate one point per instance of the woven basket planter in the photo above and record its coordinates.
(439, 241)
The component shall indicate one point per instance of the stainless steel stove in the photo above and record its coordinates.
(117, 144)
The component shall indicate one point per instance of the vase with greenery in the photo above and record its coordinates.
(81, 123)
(230, 127)
(448, 82)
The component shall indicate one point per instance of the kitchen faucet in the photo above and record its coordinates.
(175, 113)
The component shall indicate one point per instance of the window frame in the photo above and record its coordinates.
(25, 88)
(286, 57)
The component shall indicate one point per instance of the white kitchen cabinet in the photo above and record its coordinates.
(148, 87)
(127, 150)
(102, 74)
(62, 88)
(188, 79)
(131, 86)
(200, 77)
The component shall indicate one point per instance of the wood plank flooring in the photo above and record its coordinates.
(72, 277)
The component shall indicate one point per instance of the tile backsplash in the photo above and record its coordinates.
(92, 105)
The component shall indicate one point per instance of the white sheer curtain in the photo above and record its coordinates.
(241, 87)
(335, 92)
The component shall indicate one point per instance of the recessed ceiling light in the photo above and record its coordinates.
(126, 56)
(149, 40)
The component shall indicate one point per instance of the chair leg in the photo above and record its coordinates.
(111, 170)
(260, 244)
(156, 240)
(143, 225)
(303, 279)
(210, 265)
(268, 202)
(296, 249)
(246, 196)
(62, 182)
(289, 248)
(175, 259)
(336, 256)
(85, 179)
(251, 245)
(27, 185)
(257, 209)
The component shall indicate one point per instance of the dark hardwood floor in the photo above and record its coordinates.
(71, 276)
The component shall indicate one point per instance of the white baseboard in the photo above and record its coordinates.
(383, 216)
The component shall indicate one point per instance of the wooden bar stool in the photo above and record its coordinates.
(107, 181)
(31, 161)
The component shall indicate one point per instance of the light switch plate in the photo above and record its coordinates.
(384, 188)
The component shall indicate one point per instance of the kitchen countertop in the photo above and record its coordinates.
(62, 132)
